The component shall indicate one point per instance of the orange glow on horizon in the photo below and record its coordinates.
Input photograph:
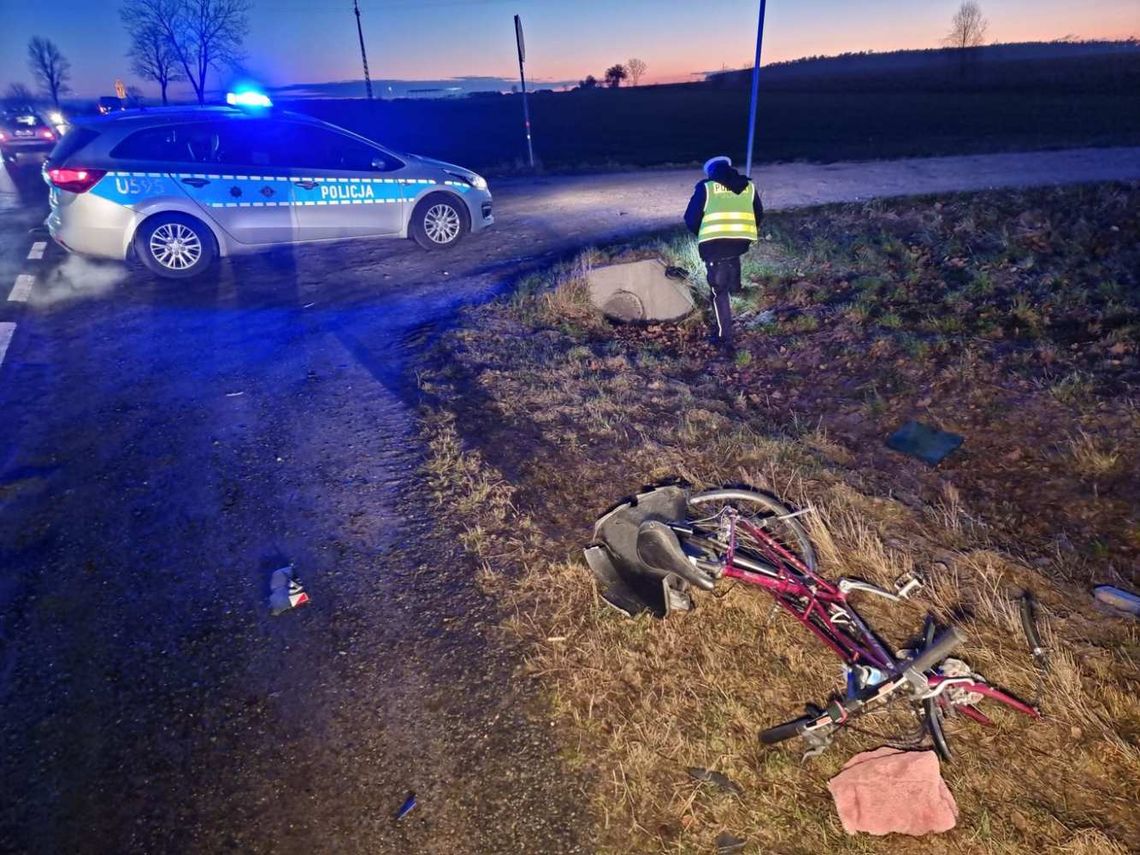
(692, 68)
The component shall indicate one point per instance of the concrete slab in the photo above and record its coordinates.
(639, 291)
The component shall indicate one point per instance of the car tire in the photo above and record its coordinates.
(175, 246)
(439, 221)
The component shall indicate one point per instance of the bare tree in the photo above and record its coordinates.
(636, 67)
(615, 74)
(969, 27)
(151, 54)
(200, 34)
(49, 67)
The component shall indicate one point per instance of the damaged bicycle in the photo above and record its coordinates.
(651, 550)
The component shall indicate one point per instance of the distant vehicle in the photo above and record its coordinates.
(110, 104)
(178, 187)
(24, 135)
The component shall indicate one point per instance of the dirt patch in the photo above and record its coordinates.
(1010, 318)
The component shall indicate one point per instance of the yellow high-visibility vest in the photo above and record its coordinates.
(727, 214)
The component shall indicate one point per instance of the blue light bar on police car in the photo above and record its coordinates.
(248, 99)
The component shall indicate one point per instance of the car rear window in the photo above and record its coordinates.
(71, 143)
(22, 119)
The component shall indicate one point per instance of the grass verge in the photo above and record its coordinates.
(1011, 318)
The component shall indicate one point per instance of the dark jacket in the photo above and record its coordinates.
(717, 250)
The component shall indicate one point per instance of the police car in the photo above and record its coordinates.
(178, 187)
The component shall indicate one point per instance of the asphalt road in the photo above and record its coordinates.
(164, 446)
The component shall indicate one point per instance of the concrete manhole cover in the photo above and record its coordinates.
(624, 306)
(639, 291)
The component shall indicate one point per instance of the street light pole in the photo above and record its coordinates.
(363, 55)
(755, 89)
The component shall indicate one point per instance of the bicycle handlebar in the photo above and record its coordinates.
(938, 650)
(910, 673)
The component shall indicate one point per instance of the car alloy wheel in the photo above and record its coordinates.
(175, 246)
(442, 224)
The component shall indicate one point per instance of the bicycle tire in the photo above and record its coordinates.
(787, 730)
(771, 515)
(932, 718)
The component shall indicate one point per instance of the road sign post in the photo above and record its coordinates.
(522, 80)
(755, 90)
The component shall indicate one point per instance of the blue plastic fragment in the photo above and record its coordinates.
(406, 807)
(926, 443)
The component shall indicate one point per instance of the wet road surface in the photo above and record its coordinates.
(164, 446)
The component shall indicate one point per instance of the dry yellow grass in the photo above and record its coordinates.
(1091, 457)
(578, 421)
(641, 700)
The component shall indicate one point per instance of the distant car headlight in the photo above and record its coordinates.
(476, 181)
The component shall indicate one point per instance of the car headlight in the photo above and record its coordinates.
(476, 181)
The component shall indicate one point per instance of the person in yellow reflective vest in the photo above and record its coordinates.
(724, 214)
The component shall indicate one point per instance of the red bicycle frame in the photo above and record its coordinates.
(806, 599)
(813, 601)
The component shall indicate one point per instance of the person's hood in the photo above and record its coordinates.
(724, 174)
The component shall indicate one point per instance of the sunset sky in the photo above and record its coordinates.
(302, 41)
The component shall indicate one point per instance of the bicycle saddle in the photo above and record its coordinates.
(659, 549)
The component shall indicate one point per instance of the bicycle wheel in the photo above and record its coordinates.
(932, 710)
(778, 522)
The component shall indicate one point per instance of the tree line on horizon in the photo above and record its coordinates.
(184, 40)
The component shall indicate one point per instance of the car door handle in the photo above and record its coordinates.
(306, 185)
(195, 182)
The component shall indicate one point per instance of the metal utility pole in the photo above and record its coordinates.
(755, 90)
(363, 55)
(522, 79)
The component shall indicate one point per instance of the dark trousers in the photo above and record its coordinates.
(724, 279)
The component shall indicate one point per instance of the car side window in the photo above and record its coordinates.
(320, 149)
(185, 143)
(253, 142)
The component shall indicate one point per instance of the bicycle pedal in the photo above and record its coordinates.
(907, 585)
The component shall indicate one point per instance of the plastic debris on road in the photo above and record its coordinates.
(926, 443)
(406, 807)
(888, 791)
(285, 591)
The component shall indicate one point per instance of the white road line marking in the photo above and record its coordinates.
(6, 331)
(22, 289)
(37, 250)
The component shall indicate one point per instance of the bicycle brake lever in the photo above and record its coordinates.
(817, 742)
(907, 584)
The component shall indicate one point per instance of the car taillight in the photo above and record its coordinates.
(75, 180)
(47, 135)
(3, 136)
